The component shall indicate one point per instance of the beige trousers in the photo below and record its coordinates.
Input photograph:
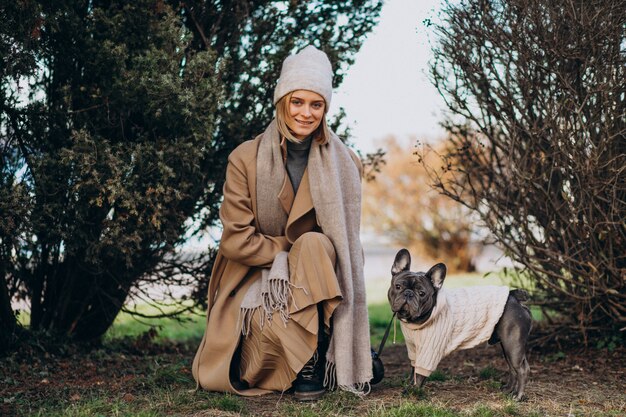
(273, 354)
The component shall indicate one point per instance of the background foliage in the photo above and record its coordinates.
(400, 204)
(538, 151)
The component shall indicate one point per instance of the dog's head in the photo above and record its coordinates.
(413, 295)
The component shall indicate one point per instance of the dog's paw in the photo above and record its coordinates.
(413, 391)
(518, 396)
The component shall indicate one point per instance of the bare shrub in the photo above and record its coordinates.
(537, 98)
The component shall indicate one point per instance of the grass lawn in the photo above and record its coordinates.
(189, 326)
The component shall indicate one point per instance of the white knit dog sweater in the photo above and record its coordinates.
(462, 319)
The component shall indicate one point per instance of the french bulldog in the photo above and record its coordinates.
(436, 322)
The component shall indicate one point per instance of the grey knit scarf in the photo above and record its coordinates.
(336, 195)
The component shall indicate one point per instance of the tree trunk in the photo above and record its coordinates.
(82, 301)
(101, 311)
(8, 323)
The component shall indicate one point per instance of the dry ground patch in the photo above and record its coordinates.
(146, 379)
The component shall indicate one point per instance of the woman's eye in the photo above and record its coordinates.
(317, 105)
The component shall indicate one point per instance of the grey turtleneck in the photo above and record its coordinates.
(297, 158)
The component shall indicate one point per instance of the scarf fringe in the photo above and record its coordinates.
(276, 299)
(330, 382)
(360, 389)
(246, 316)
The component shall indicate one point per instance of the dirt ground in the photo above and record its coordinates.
(570, 383)
(563, 384)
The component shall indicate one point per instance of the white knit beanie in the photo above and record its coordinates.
(310, 70)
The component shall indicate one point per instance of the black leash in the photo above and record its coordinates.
(382, 342)
(378, 370)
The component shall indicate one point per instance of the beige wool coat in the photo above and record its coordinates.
(241, 255)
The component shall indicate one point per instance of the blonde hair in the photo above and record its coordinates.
(321, 134)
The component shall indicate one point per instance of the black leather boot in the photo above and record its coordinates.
(309, 384)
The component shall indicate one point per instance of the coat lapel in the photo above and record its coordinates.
(285, 195)
(302, 216)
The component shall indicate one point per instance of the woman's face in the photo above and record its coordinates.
(305, 112)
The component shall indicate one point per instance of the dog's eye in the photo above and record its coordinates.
(398, 287)
(422, 293)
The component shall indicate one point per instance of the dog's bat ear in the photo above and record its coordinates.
(402, 262)
(437, 274)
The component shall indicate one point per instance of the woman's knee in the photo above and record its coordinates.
(313, 238)
(314, 241)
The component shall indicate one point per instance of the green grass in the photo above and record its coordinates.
(190, 325)
(482, 410)
(170, 400)
(179, 400)
(413, 404)
(426, 408)
(413, 409)
(228, 402)
(336, 403)
(160, 385)
(379, 315)
(488, 372)
(439, 376)
(511, 408)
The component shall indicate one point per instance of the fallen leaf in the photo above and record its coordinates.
(127, 378)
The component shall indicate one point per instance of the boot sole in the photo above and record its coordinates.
(309, 395)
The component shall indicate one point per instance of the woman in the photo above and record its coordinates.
(286, 302)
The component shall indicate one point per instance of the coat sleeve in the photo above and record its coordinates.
(241, 242)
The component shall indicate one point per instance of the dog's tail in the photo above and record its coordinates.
(520, 295)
